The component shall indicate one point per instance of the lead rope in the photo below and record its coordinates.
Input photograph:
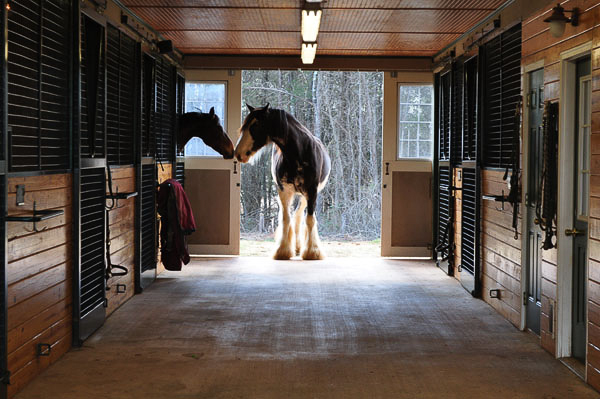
(514, 195)
(545, 209)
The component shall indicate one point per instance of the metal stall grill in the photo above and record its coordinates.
(92, 292)
(445, 220)
(180, 173)
(148, 106)
(120, 96)
(165, 110)
(444, 117)
(92, 89)
(4, 373)
(456, 140)
(148, 219)
(38, 85)
(470, 229)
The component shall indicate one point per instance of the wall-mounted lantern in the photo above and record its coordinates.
(558, 20)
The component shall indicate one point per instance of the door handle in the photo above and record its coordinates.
(573, 232)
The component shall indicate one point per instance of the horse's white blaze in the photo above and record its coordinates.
(244, 144)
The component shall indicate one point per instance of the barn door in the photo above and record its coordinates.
(470, 268)
(579, 231)
(406, 223)
(535, 104)
(211, 182)
(443, 177)
(89, 293)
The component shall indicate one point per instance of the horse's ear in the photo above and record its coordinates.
(212, 112)
(250, 107)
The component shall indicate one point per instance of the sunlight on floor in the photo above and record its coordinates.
(334, 249)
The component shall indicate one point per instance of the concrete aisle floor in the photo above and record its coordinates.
(339, 328)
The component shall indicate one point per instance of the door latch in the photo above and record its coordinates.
(573, 232)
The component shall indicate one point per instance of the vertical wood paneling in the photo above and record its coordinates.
(500, 252)
(165, 172)
(538, 44)
(39, 276)
(457, 220)
(121, 220)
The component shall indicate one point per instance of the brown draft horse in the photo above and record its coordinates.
(300, 166)
(207, 127)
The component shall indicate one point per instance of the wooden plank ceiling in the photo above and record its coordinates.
(348, 27)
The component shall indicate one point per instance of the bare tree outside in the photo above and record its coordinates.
(343, 109)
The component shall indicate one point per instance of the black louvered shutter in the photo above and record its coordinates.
(179, 104)
(165, 110)
(148, 220)
(120, 96)
(180, 173)
(444, 119)
(92, 283)
(502, 91)
(38, 85)
(93, 95)
(470, 111)
(456, 113)
(148, 105)
(445, 219)
(470, 228)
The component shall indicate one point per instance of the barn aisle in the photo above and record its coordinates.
(340, 328)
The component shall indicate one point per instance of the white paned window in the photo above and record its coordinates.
(200, 97)
(415, 121)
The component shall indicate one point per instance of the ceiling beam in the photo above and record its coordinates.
(322, 62)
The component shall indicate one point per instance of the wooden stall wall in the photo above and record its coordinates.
(539, 44)
(165, 172)
(121, 222)
(39, 274)
(457, 220)
(500, 252)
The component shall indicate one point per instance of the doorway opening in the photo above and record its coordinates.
(344, 110)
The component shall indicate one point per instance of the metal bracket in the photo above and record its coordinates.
(235, 167)
(121, 288)
(44, 349)
(20, 197)
(495, 293)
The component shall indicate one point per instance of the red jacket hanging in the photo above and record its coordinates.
(177, 221)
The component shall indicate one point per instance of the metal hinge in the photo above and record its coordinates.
(524, 298)
(5, 377)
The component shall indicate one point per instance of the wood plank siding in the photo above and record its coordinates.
(538, 44)
(500, 252)
(457, 220)
(121, 222)
(165, 172)
(39, 274)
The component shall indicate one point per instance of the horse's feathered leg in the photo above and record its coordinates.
(312, 250)
(285, 232)
(298, 226)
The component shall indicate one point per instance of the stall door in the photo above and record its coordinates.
(443, 179)
(534, 233)
(211, 182)
(579, 232)
(406, 227)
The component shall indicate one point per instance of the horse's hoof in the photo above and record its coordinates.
(313, 253)
(283, 253)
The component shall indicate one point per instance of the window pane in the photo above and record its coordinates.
(201, 97)
(415, 117)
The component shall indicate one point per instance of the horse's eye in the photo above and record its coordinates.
(247, 153)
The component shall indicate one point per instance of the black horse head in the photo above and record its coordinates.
(207, 127)
(254, 133)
